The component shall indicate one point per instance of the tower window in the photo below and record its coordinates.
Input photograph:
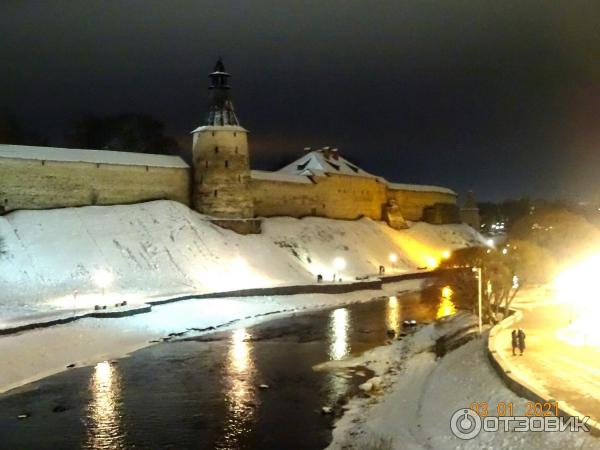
(236, 149)
(234, 134)
(213, 133)
(215, 193)
(206, 164)
(216, 149)
(226, 164)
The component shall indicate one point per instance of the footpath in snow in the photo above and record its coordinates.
(414, 395)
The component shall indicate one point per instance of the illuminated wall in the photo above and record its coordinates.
(334, 196)
(36, 184)
(339, 197)
(412, 203)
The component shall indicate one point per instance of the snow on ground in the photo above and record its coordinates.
(419, 394)
(35, 354)
(56, 258)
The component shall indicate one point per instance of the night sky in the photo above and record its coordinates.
(499, 97)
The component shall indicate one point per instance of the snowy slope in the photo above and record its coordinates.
(163, 248)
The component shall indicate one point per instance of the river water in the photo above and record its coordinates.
(206, 393)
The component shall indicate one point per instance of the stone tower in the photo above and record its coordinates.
(220, 159)
(469, 213)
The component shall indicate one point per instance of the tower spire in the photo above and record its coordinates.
(221, 111)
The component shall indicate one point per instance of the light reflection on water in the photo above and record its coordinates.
(104, 430)
(240, 395)
(339, 325)
(393, 314)
(446, 306)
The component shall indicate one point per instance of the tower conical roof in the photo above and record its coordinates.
(221, 111)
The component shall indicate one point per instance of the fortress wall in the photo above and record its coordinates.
(411, 203)
(334, 196)
(36, 184)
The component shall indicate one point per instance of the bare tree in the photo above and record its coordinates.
(498, 287)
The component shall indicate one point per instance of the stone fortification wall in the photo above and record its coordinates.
(39, 184)
(337, 196)
(413, 202)
(223, 185)
(334, 196)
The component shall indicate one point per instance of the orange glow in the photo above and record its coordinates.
(446, 307)
(420, 254)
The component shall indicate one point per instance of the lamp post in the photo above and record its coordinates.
(339, 264)
(478, 271)
(103, 278)
(393, 260)
(74, 300)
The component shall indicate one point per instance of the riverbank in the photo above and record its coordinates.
(419, 392)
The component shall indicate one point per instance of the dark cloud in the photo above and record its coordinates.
(494, 96)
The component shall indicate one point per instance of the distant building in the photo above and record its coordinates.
(220, 183)
(469, 213)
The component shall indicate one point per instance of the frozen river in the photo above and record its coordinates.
(206, 392)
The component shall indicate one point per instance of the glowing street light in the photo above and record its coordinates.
(393, 260)
(446, 254)
(431, 262)
(339, 264)
(103, 278)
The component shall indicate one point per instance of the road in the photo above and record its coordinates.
(567, 372)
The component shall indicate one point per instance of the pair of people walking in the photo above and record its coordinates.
(518, 341)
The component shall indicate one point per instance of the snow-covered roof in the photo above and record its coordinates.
(219, 128)
(420, 188)
(320, 162)
(279, 176)
(326, 161)
(90, 156)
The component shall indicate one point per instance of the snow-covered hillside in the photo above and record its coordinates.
(163, 248)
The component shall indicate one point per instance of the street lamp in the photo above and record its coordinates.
(478, 271)
(339, 264)
(393, 260)
(103, 278)
(75, 292)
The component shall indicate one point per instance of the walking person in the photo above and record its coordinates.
(521, 339)
(515, 341)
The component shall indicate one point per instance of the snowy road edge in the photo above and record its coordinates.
(520, 386)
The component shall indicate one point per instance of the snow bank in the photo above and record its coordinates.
(162, 248)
